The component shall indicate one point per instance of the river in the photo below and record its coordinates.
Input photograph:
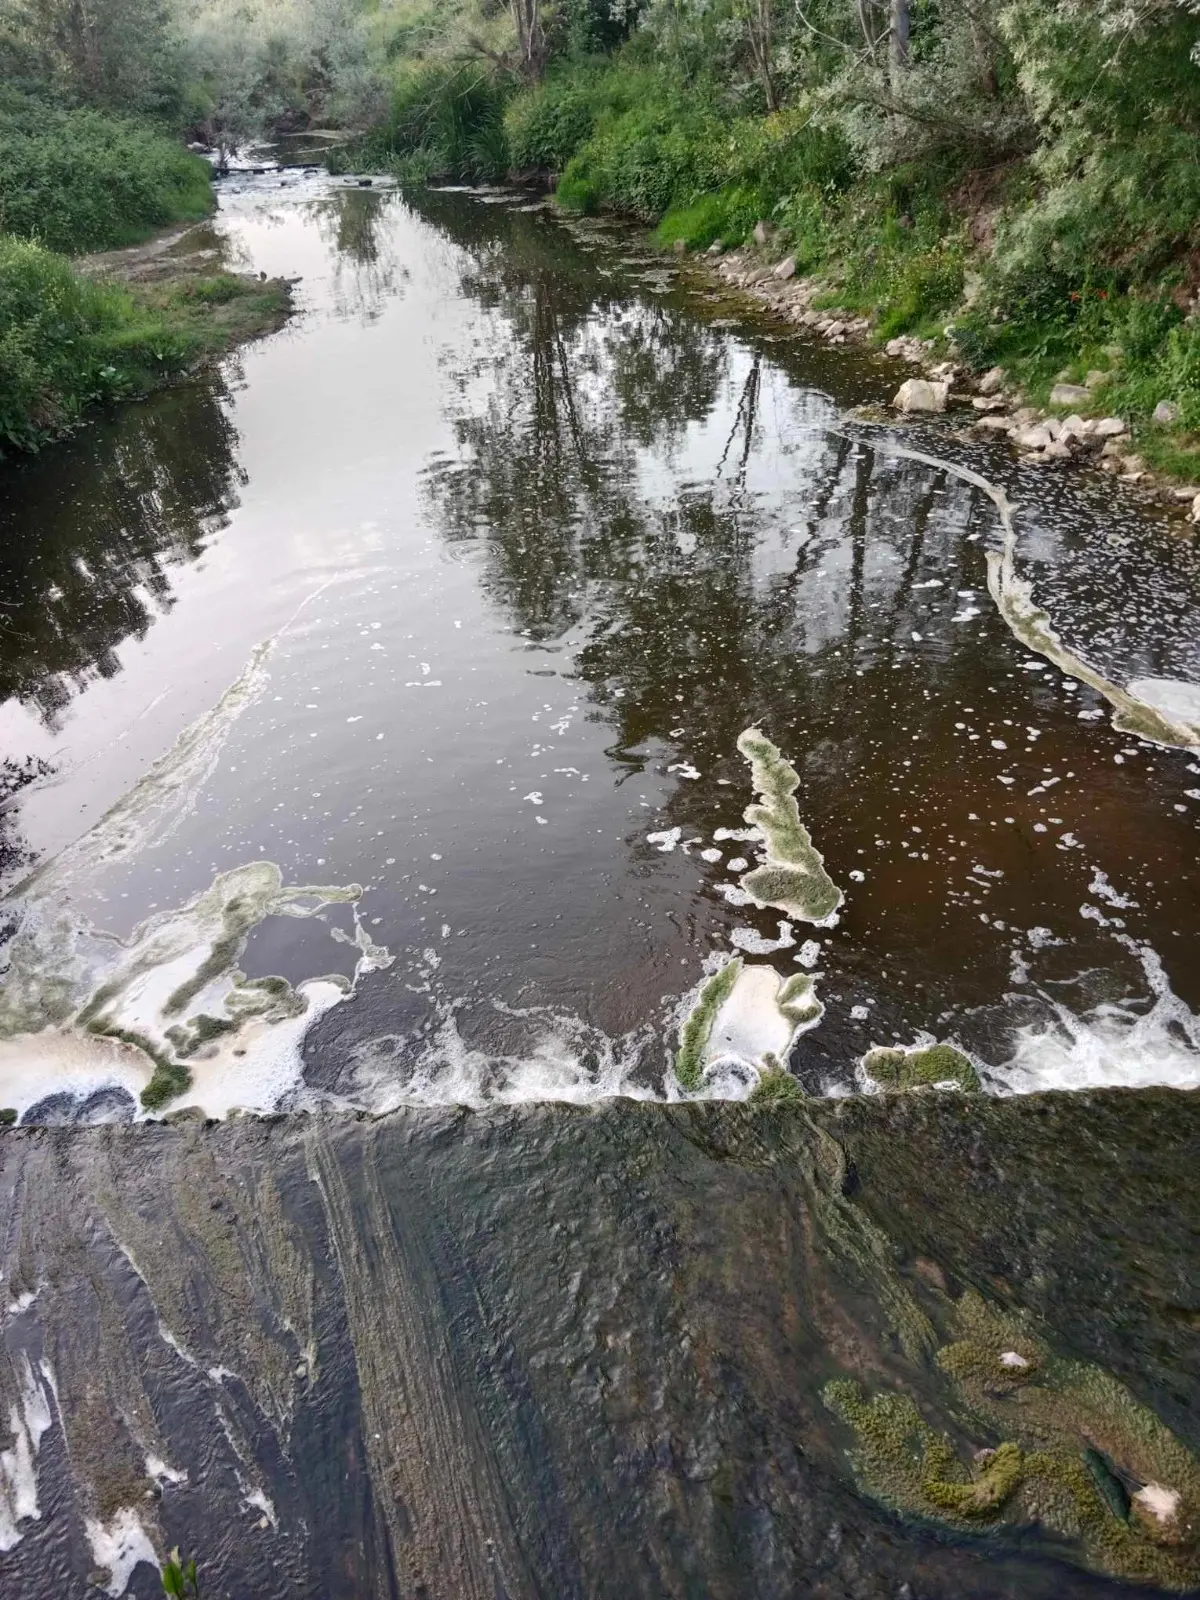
(376, 717)
(460, 590)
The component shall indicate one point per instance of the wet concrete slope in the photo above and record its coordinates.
(626, 1350)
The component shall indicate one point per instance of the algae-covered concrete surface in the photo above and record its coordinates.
(626, 1350)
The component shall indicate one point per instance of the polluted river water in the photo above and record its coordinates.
(435, 620)
(505, 721)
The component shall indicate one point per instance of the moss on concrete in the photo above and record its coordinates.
(776, 1087)
(1070, 1434)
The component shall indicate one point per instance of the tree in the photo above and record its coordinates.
(759, 19)
(529, 18)
(899, 30)
(118, 54)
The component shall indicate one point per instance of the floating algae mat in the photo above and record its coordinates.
(747, 1019)
(792, 877)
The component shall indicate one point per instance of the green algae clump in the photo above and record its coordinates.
(904, 1463)
(170, 1080)
(776, 1087)
(1072, 1437)
(902, 1071)
(793, 876)
(697, 1030)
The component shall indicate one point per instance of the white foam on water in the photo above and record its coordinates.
(750, 1024)
(754, 943)
(28, 1421)
(1176, 699)
(1135, 1044)
(161, 1473)
(70, 991)
(78, 1003)
(118, 1546)
(569, 1062)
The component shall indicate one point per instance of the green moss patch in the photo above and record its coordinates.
(697, 1030)
(793, 877)
(902, 1071)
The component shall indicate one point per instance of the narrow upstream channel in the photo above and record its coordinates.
(375, 720)
(465, 586)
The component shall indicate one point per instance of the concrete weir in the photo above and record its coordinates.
(925, 1345)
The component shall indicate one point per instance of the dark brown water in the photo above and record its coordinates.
(501, 544)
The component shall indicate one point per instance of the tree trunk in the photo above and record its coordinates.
(898, 36)
(531, 37)
(985, 56)
(870, 19)
(760, 25)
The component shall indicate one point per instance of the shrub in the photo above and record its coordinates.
(445, 121)
(67, 341)
(81, 180)
(547, 125)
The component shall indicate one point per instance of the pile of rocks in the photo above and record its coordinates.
(1038, 435)
(1042, 436)
(778, 287)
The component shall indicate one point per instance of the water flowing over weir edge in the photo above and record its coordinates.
(86, 1018)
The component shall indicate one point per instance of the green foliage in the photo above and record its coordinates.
(446, 120)
(675, 153)
(170, 1080)
(122, 55)
(82, 180)
(8, 1116)
(546, 125)
(181, 1578)
(67, 342)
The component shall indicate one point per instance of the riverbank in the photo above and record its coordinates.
(1079, 424)
(1013, 192)
(77, 335)
(78, 331)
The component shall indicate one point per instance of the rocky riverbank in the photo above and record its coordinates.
(990, 405)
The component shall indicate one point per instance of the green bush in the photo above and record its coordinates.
(446, 120)
(547, 125)
(82, 180)
(67, 341)
(49, 318)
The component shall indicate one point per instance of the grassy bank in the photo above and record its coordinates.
(77, 179)
(73, 180)
(1022, 187)
(68, 342)
(996, 267)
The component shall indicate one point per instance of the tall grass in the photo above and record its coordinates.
(78, 180)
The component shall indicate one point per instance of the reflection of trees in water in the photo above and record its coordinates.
(550, 409)
(710, 600)
(15, 775)
(89, 534)
(367, 271)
